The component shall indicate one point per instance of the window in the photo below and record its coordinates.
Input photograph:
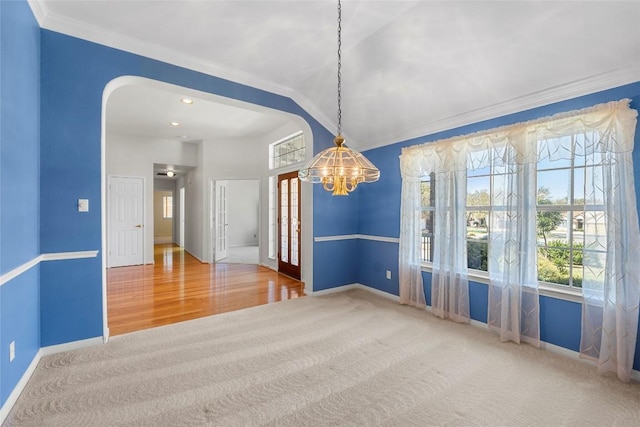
(570, 214)
(561, 208)
(427, 192)
(167, 207)
(478, 217)
(570, 210)
(288, 151)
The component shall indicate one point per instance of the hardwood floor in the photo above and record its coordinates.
(178, 287)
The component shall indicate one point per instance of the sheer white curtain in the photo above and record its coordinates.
(449, 285)
(449, 282)
(514, 307)
(611, 283)
(600, 141)
(410, 261)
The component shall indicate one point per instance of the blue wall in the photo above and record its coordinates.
(73, 76)
(333, 261)
(379, 213)
(50, 139)
(52, 87)
(19, 188)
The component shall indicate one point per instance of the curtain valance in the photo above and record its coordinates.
(612, 122)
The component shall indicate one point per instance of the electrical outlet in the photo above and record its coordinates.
(388, 274)
(12, 351)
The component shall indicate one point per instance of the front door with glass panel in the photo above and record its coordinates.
(289, 224)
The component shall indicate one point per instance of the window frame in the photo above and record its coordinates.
(564, 291)
(273, 147)
(167, 207)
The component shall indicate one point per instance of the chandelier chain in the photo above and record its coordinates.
(339, 168)
(339, 68)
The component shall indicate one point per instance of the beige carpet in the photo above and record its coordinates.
(345, 359)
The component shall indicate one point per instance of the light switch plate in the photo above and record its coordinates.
(83, 205)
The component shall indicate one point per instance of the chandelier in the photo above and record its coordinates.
(339, 169)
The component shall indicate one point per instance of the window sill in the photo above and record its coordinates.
(545, 289)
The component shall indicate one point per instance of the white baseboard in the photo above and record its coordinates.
(562, 351)
(344, 288)
(635, 375)
(59, 348)
(270, 267)
(329, 291)
(196, 257)
(44, 351)
(17, 390)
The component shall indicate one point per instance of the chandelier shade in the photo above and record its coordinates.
(339, 169)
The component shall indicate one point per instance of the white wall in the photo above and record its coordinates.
(178, 216)
(164, 184)
(195, 242)
(243, 209)
(134, 156)
(229, 159)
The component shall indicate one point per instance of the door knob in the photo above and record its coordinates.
(138, 225)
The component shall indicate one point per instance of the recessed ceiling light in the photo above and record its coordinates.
(186, 101)
(175, 124)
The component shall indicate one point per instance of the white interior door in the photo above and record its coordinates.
(221, 221)
(126, 221)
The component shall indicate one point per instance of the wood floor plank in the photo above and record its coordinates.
(178, 287)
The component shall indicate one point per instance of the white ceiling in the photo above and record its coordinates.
(149, 110)
(409, 67)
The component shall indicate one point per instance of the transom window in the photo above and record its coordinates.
(288, 151)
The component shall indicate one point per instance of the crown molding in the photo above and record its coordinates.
(541, 98)
(108, 38)
(114, 40)
(40, 10)
(102, 36)
(312, 109)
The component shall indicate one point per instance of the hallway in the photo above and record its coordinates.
(178, 287)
